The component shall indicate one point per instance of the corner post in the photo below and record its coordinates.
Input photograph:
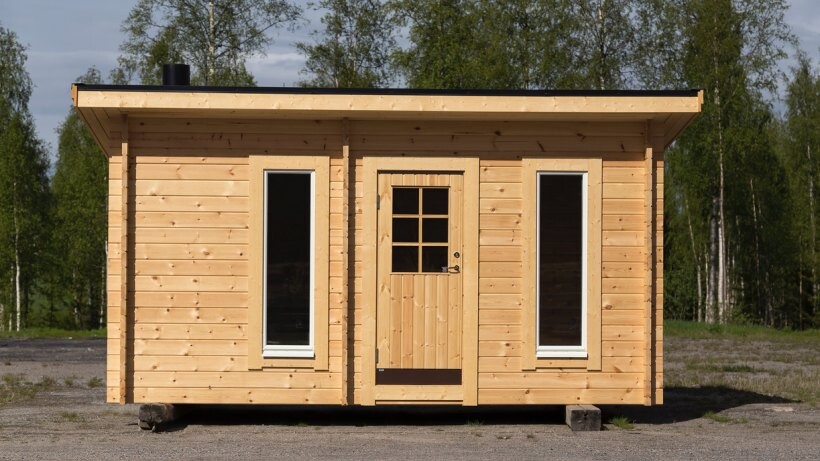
(124, 266)
(347, 362)
(649, 273)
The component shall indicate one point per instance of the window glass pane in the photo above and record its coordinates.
(287, 258)
(434, 230)
(433, 259)
(406, 230)
(435, 201)
(560, 233)
(405, 200)
(405, 259)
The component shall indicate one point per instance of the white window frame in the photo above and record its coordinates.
(281, 350)
(579, 351)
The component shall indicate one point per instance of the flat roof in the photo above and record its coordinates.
(103, 106)
(383, 91)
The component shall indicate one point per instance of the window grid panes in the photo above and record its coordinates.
(420, 229)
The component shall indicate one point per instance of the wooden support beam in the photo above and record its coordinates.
(649, 274)
(347, 349)
(155, 416)
(124, 274)
(583, 418)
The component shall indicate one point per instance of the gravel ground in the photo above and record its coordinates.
(71, 421)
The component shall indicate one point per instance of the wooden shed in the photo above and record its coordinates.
(366, 247)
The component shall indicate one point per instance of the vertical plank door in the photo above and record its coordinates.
(419, 300)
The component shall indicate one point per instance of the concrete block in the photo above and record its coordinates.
(155, 415)
(583, 418)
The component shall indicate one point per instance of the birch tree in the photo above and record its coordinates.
(79, 191)
(354, 49)
(216, 37)
(801, 155)
(23, 166)
(730, 49)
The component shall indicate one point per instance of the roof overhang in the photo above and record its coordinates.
(103, 106)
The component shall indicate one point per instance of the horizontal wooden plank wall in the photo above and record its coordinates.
(500, 147)
(191, 262)
(191, 302)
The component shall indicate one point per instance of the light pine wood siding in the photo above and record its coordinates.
(191, 263)
(500, 147)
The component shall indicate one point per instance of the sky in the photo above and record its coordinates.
(65, 38)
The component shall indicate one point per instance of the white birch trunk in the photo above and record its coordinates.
(211, 45)
(712, 286)
(698, 275)
(815, 283)
(601, 38)
(17, 304)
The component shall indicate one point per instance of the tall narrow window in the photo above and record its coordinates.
(561, 264)
(288, 263)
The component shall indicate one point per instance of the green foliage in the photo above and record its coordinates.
(77, 259)
(800, 144)
(15, 388)
(697, 330)
(23, 201)
(355, 47)
(15, 82)
(214, 36)
(730, 247)
(622, 422)
(446, 44)
(48, 332)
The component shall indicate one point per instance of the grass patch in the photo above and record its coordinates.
(750, 359)
(35, 333)
(718, 418)
(696, 330)
(720, 368)
(622, 422)
(71, 416)
(15, 388)
(474, 423)
(95, 382)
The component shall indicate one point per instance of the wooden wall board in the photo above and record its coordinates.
(192, 257)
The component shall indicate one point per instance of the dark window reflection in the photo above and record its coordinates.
(405, 259)
(434, 230)
(433, 259)
(288, 266)
(435, 201)
(560, 259)
(405, 200)
(406, 230)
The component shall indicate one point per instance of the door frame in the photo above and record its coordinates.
(370, 393)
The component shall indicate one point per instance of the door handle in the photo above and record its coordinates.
(447, 269)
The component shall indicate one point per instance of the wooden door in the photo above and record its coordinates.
(419, 301)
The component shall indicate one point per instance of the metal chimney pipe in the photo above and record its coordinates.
(176, 75)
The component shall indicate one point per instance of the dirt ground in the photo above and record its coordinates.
(68, 419)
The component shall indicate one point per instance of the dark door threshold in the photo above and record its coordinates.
(418, 376)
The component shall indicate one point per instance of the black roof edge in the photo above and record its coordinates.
(383, 91)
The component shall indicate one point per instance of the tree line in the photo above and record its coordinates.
(740, 226)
